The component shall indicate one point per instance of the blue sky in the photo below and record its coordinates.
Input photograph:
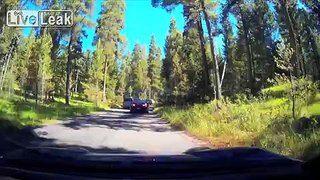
(141, 21)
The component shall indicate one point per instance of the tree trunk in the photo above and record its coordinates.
(214, 59)
(3, 9)
(226, 40)
(37, 84)
(97, 91)
(77, 81)
(105, 71)
(250, 62)
(315, 51)
(25, 95)
(300, 53)
(292, 95)
(42, 86)
(302, 62)
(68, 70)
(3, 71)
(203, 55)
(223, 73)
(55, 37)
(225, 28)
(7, 61)
(292, 37)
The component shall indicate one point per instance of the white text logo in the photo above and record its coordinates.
(41, 18)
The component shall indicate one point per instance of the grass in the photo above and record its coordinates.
(27, 113)
(314, 108)
(276, 91)
(264, 123)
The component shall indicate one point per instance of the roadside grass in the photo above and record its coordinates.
(266, 123)
(26, 113)
(314, 108)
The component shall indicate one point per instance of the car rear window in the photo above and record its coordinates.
(139, 101)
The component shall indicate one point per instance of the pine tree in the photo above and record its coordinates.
(45, 66)
(81, 10)
(194, 63)
(154, 69)
(95, 74)
(174, 68)
(8, 48)
(110, 23)
(288, 30)
(123, 77)
(139, 71)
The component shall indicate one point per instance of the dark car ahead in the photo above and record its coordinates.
(139, 105)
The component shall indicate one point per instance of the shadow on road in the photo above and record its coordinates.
(121, 120)
(13, 138)
(58, 135)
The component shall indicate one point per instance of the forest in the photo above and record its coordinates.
(264, 74)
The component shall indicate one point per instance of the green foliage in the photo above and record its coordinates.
(23, 59)
(92, 93)
(305, 91)
(154, 69)
(280, 88)
(284, 59)
(139, 80)
(45, 64)
(111, 20)
(267, 123)
(116, 102)
(312, 107)
(75, 33)
(174, 66)
(110, 24)
(194, 68)
(95, 71)
(27, 113)
(92, 89)
(37, 66)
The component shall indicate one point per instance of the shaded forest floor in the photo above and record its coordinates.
(265, 123)
(18, 112)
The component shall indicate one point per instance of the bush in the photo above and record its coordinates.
(280, 87)
(27, 113)
(116, 102)
(266, 122)
(92, 94)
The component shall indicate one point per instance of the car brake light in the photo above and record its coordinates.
(145, 104)
(133, 105)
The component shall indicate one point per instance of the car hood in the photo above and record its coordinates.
(243, 156)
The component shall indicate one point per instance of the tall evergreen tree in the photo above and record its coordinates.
(80, 11)
(139, 72)
(110, 24)
(174, 67)
(154, 69)
(96, 73)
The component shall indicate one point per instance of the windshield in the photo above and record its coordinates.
(216, 74)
